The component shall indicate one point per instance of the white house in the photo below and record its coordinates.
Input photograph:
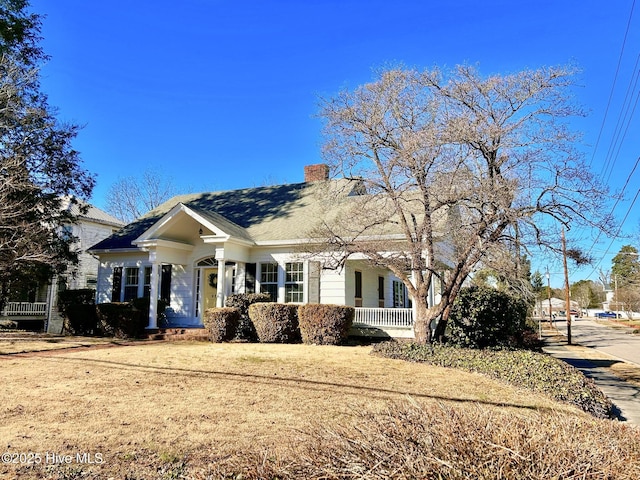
(38, 305)
(195, 250)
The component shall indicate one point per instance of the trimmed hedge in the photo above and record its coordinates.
(246, 330)
(275, 322)
(523, 368)
(79, 311)
(325, 324)
(121, 320)
(221, 323)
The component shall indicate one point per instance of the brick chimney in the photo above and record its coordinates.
(315, 173)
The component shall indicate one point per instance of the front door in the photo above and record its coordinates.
(210, 290)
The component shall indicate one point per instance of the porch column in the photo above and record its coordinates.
(222, 276)
(153, 297)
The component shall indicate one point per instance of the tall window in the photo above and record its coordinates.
(294, 282)
(117, 284)
(146, 292)
(269, 280)
(399, 299)
(165, 283)
(358, 295)
(197, 302)
(381, 292)
(131, 283)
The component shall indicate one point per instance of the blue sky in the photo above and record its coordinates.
(223, 94)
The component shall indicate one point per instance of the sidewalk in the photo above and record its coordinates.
(597, 366)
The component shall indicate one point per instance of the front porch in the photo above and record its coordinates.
(383, 322)
(24, 315)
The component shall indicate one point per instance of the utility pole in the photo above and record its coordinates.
(549, 296)
(566, 286)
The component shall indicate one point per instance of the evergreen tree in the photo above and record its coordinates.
(39, 169)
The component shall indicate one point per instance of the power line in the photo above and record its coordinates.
(617, 233)
(615, 79)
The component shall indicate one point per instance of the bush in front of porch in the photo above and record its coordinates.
(78, 308)
(221, 323)
(325, 324)
(275, 322)
(246, 331)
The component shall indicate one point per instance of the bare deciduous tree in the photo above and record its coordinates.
(459, 168)
(132, 197)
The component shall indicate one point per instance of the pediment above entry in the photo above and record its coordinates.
(189, 226)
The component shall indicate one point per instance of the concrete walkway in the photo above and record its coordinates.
(593, 363)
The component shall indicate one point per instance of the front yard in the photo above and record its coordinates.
(161, 410)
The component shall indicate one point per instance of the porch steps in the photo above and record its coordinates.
(179, 333)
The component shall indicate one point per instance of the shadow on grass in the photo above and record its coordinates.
(292, 382)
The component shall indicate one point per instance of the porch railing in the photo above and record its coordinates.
(384, 317)
(37, 309)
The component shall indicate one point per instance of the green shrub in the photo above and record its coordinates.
(246, 330)
(79, 311)
(325, 324)
(121, 320)
(275, 322)
(523, 368)
(485, 317)
(221, 323)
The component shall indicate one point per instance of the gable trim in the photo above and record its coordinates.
(149, 234)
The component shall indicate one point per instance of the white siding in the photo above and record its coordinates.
(88, 233)
(332, 287)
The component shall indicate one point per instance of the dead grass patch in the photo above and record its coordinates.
(161, 403)
(25, 343)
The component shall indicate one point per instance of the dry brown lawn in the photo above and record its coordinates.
(11, 343)
(166, 401)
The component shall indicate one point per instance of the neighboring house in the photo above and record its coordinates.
(38, 306)
(195, 250)
(557, 305)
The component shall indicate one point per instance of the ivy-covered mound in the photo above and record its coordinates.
(523, 368)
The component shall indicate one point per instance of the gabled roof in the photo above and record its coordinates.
(82, 209)
(261, 214)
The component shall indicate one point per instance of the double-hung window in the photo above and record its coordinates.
(269, 280)
(131, 283)
(294, 282)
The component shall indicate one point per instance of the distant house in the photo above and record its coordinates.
(557, 305)
(195, 250)
(37, 307)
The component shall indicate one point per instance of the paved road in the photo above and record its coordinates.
(613, 342)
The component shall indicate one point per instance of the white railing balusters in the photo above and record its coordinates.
(24, 308)
(384, 317)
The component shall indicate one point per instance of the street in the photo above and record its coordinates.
(612, 341)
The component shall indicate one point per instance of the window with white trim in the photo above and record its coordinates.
(294, 282)
(269, 280)
(131, 283)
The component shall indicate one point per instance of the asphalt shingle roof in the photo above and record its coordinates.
(280, 212)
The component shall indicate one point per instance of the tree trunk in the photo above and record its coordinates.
(424, 317)
(441, 327)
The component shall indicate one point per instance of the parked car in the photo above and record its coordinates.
(607, 315)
